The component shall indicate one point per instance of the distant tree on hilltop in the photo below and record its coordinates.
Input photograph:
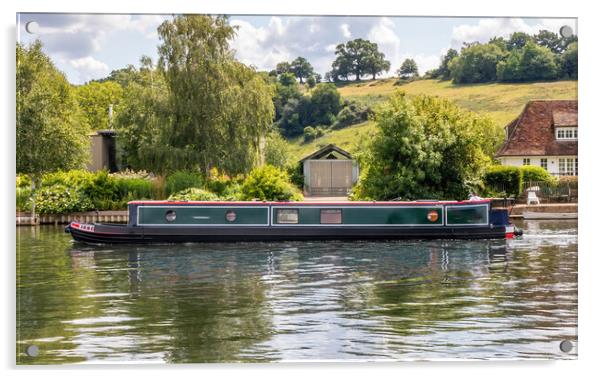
(408, 69)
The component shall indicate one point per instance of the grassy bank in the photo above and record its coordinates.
(501, 102)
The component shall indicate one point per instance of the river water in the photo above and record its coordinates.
(297, 301)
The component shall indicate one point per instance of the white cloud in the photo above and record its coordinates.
(89, 68)
(503, 27)
(345, 30)
(315, 38)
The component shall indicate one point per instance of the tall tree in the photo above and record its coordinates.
(529, 63)
(359, 57)
(96, 98)
(301, 68)
(443, 71)
(220, 109)
(518, 40)
(141, 121)
(52, 133)
(477, 63)
(283, 67)
(550, 40)
(375, 63)
(408, 69)
(568, 61)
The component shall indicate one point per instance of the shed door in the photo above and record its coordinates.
(330, 177)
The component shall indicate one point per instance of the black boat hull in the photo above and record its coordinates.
(121, 234)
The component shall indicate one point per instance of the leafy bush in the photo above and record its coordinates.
(352, 113)
(504, 180)
(269, 183)
(73, 178)
(424, 147)
(295, 172)
(531, 173)
(130, 174)
(181, 180)
(276, 150)
(223, 185)
(571, 181)
(99, 188)
(193, 194)
(23, 181)
(23, 195)
(59, 199)
(134, 188)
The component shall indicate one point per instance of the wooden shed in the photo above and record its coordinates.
(330, 171)
(102, 151)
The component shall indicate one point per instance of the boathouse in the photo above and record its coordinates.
(544, 135)
(330, 171)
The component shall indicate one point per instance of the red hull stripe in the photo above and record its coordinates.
(266, 203)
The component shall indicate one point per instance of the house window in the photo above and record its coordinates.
(566, 133)
(544, 163)
(576, 168)
(287, 216)
(331, 216)
(526, 161)
(567, 167)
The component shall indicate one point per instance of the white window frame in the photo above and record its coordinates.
(566, 133)
(567, 166)
(543, 162)
(526, 161)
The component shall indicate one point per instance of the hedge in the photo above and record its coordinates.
(504, 180)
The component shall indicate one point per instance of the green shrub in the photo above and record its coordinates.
(570, 181)
(193, 194)
(59, 199)
(224, 186)
(130, 174)
(98, 187)
(134, 188)
(533, 174)
(309, 134)
(269, 183)
(73, 178)
(351, 114)
(504, 180)
(23, 181)
(180, 180)
(295, 172)
(102, 191)
(23, 195)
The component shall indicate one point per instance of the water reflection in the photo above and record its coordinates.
(297, 301)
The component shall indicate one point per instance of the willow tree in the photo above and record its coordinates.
(219, 108)
(52, 132)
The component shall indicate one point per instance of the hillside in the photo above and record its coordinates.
(501, 102)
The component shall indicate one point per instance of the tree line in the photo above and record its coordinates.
(521, 57)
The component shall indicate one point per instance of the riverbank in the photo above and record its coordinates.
(113, 216)
(550, 209)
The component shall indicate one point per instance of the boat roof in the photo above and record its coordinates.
(286, 203)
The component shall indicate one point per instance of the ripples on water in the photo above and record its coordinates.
(298, 300)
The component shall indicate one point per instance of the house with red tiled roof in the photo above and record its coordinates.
(545, 135)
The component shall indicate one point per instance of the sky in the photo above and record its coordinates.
(90, 46)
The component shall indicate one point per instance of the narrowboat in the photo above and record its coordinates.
(187, 221)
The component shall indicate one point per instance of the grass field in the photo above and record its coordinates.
(501, 102)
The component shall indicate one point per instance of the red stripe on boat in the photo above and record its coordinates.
(271, 203)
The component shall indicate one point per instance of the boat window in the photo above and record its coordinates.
(331, 216)
(287, 215)
(170, 215)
